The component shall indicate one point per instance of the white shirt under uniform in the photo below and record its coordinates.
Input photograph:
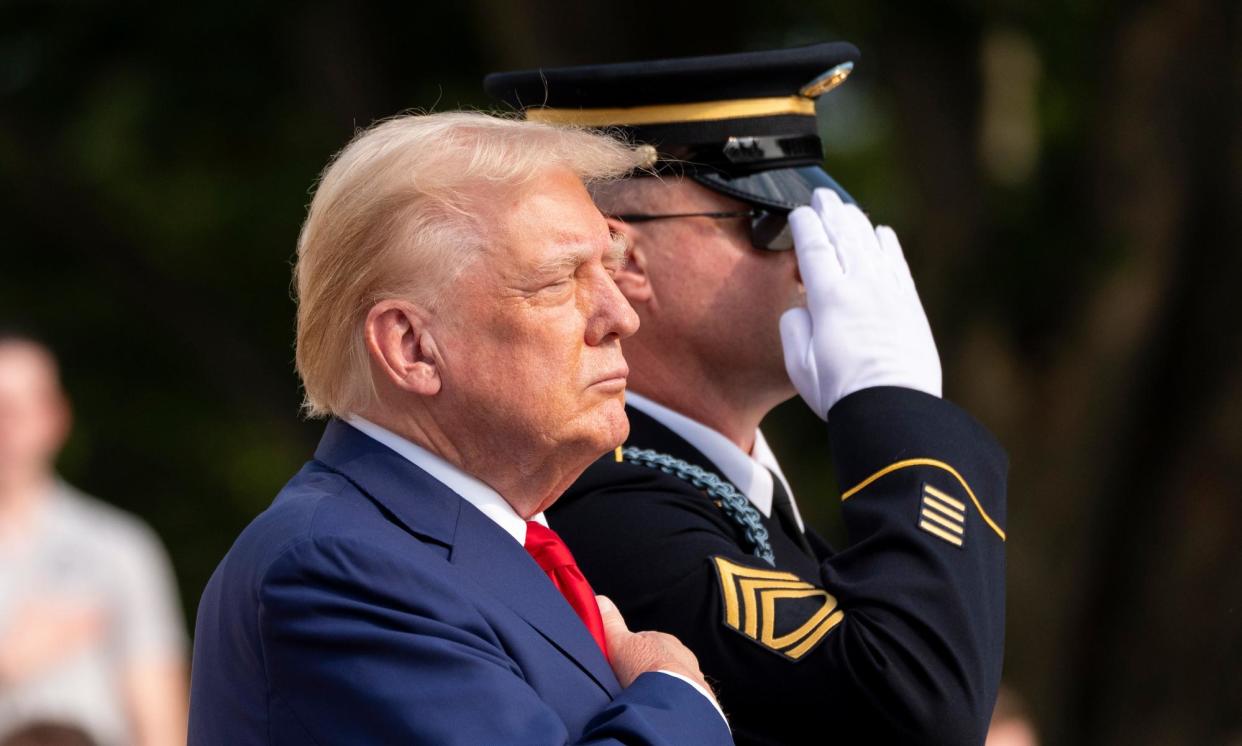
(751, 473)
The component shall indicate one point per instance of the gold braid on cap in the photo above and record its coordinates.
(702, 111)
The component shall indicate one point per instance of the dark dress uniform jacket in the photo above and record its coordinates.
(895, 639)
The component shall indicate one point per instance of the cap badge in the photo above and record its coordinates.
(829, 80)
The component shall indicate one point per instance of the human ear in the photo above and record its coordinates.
(632, 279)
(401, 347)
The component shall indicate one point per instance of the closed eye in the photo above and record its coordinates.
(555, 287)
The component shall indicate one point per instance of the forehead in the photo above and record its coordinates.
(549, 214)
(25, 366)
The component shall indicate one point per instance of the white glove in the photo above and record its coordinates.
(863, 325)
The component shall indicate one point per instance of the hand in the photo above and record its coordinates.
(635, 653)
(44, 633)
(863, 325)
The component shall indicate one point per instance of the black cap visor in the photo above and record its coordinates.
(774, 194)
(779, 190)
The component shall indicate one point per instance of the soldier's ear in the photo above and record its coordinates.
(401, 348)
(632, 279)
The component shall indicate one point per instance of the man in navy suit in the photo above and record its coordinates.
(458, 321)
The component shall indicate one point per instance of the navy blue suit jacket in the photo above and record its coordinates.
(372, 605)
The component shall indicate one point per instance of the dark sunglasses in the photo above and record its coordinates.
(768, 230)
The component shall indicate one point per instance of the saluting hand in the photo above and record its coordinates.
(863, 325)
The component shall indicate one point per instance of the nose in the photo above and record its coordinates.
(611, 314)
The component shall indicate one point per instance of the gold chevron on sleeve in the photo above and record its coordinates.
(943, 516)
(912, 462)
(778, 610)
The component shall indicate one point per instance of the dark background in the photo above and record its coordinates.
(1066, 178)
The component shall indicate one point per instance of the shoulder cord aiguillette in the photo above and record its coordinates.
(733, 503)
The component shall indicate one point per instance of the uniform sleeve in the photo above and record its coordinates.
(897, 638)
(434, 671)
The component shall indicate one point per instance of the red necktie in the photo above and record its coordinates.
(553, 557)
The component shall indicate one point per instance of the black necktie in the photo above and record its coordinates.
(783, 510)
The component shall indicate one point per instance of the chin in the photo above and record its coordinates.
(610, 425)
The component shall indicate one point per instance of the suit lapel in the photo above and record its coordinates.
(483, 550)
(502, 566)
(409, 495)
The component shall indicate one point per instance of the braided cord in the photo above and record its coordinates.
(734, 504)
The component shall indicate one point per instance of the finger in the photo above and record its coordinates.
(841, 226)
(796, 330)
(817, 258)
(614, 623)
(890, 247)
(825, 201)
(862, 236)
(823, 198)
(890, 252)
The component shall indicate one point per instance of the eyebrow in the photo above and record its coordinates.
(578, 253)
(618, 249)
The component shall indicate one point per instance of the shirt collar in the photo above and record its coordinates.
(748, 472)
(474, 491)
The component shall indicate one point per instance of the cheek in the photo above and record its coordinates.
(550, 344)
(532, 357)
(28, 433)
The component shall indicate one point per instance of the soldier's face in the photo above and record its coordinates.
(533, 350)
(716, 292)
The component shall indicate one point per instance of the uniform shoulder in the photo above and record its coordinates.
(610, 476)
(629, 492)
(627, 508)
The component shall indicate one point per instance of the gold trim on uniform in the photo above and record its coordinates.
(751, 596)
(829, 80)
(702, 111)
(943, 516)
(939, 465)
(931, 529)
(933, 492)
(934, 518)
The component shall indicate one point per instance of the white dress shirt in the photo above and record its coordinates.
(480, 495)
(472, 490)
(748, 472)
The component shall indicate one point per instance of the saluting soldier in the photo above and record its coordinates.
(692, 528)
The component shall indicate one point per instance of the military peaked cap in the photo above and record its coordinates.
(740, 124)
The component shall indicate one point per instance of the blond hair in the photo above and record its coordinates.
(392, 217)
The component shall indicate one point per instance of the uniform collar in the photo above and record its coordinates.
(748, 472)
(471, 489)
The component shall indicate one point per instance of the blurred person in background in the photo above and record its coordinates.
(90, 627)
(48, 734)
(748, 297)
